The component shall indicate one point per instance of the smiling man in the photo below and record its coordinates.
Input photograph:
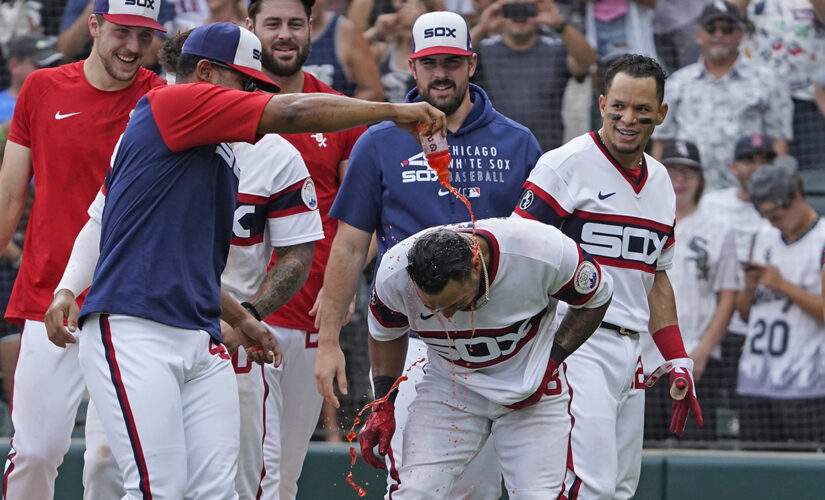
(66, 123)
(618, 204)
(389, 190)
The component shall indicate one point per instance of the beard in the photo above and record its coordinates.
(118, 74)
(286, 68)
(447, 104)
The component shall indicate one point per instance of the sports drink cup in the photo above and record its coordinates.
(437, 153)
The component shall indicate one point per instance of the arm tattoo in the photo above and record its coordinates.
(578, 325)
(285, 278)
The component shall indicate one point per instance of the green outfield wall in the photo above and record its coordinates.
(672, 475)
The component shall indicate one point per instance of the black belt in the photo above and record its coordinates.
(618, 329)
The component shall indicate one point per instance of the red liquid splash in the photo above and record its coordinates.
(351, 434)
(440, 162)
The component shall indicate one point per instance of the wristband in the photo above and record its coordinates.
(381, 385)
(249, 307)
(558, 353)
(669, 342)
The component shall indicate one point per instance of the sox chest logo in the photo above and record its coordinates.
(477, 350)
(618, 241)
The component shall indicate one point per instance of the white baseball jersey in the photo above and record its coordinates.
(745, 220)
(784, 352)
(704, 264)
(500, 350)
(276, 207)
(624, 223)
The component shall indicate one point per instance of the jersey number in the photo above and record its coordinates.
(776, 342)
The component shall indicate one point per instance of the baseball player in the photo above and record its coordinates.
(483, 301)
(150, 346)
(389, 190)
(781, 377)
(277, 209)
(293, 403)
(705, 279)
(618, 204)
(66, 123)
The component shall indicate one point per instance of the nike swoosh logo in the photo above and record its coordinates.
(426, 317)
(58, 116)
(606, 196)
(443, 192)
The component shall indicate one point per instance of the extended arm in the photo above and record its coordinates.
(284, 278)
(346, 260)
(299, 113)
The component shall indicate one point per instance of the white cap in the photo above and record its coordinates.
(440, 33)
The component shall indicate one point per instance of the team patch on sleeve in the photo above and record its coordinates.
(308, 195)
(386, 316)
(537, 204)
(584, 283)
(295, 199)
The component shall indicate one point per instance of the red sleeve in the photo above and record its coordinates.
(197, 114)
(19, 131)
(352, 135)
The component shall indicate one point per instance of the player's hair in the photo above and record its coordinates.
(637, 66)
(187, 63)
(255, 7)
(437, 257)
(169, 53)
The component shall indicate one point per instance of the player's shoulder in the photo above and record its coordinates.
(148, 79)
(523, 237)
(45, 78)
(313, 85)
(579, 150)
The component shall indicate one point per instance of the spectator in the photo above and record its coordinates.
(233, 11)
(674, 30)
(15, 21)
(704, 277)
(734, 204)
(26, 54)
(788, 38)
(782, 369)
(722, 97)
(617, 27)
(391, 41)
(338, 56)
(525, 71)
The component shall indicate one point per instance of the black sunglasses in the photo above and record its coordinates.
(249, 85)
(726, 28)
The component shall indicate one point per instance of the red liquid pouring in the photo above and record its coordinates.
(438, 157)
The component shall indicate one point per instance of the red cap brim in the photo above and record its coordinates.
(429, 51)
(263, 81)
(135, 21)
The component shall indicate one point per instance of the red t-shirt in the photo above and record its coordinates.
(322, 153)
(71, 129)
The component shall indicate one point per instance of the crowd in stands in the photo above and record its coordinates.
(746, 88)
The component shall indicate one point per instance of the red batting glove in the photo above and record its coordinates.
(378, 431)
(680, 372)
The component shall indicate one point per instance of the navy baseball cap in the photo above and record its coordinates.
(720, 9)
(232, 45)
(130, 13)
(682, 153)
(440, 33)
(755, 143)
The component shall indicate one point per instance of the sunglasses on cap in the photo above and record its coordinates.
(726, 27)
(249, 85)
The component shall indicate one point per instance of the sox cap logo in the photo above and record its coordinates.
(137, 13)
(232, 45)
(440, 33)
